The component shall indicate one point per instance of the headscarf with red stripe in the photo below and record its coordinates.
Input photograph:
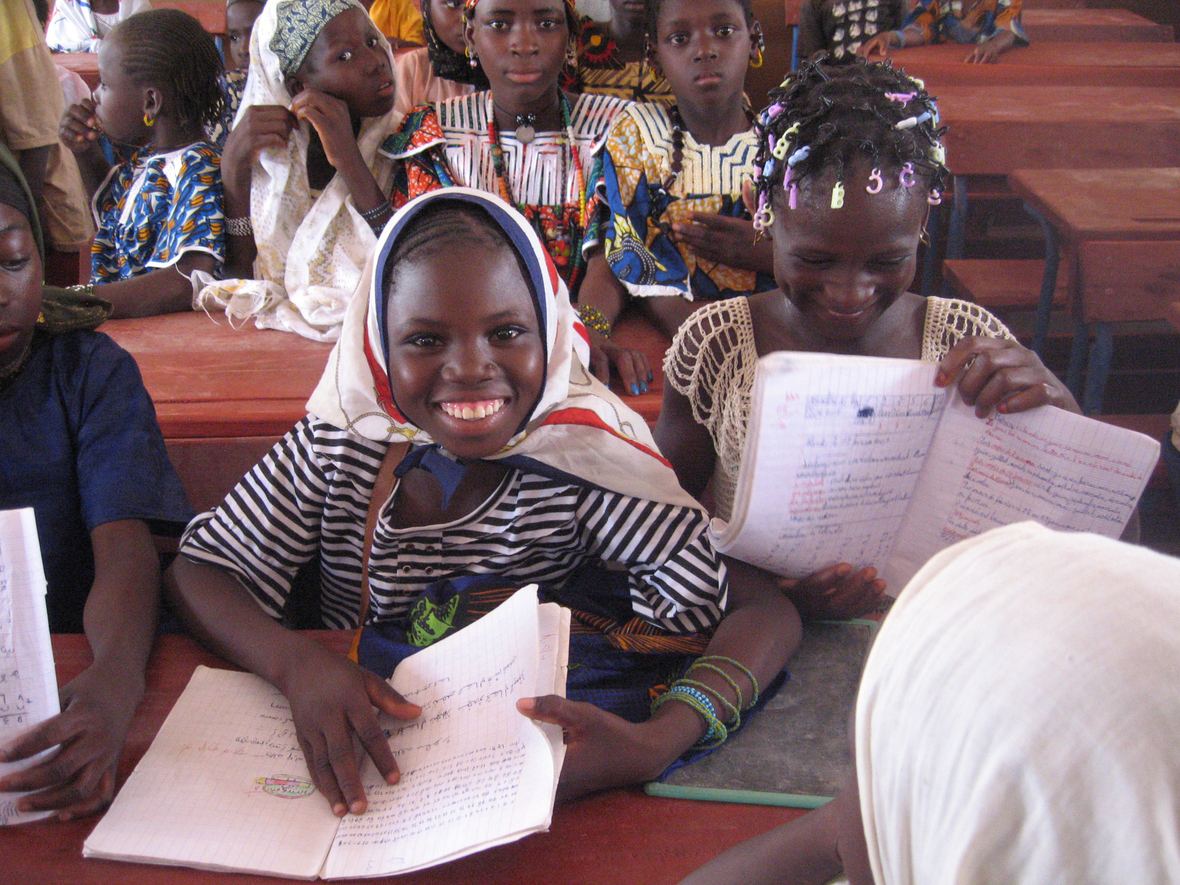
(579, 431)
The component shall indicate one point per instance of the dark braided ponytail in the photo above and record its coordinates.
(827, 117)
(169, 49)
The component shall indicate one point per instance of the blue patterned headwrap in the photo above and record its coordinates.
(298, 23)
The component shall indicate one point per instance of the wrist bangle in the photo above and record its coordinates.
(377, 216)
(593, 318)
(900, 38)
(239, 227)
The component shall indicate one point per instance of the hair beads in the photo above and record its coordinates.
(876, 182)
(838, 195)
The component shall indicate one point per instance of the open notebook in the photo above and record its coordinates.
(28, 681)
(864, 460)
(224, 785)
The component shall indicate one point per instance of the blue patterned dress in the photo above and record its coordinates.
(153, 208)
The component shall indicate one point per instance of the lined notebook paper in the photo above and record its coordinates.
(864, 460)
(224, 785)
(28, 681)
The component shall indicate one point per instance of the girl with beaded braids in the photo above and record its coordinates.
(850, 162)
(159, 209)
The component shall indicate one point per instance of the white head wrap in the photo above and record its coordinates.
(1019, 717)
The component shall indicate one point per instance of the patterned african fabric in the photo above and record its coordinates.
(601, 71)
(641, 209)
(233, 84)
(840, 26)
(713, 357)
(451, 144)
(966, 21)
(152, 208)
(74, 27)
(299, 22)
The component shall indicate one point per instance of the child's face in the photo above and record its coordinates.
(521, 45)
(447, 18)
(704, 48)
(348, 60)
(465, 351)
(239, 23)
(120, 103)
(20, 285)
(842, 268)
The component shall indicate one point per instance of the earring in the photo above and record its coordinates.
(761, 45)
(148, 120)
(571, 55)
(472, 58)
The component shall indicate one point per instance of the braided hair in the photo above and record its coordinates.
(169, 49)
(826, 117)
(446, 62)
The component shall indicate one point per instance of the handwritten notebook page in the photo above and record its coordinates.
(475, 772)
(1063, 470)
(28, 681)
(224, 786)
(830, 467)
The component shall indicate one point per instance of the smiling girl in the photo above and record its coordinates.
(851, 162)
(524, 140)
(457, 389)
(305, 187)
(676, 232)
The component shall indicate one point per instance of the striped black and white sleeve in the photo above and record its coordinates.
(677, 579)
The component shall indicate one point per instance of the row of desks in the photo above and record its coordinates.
(619, 836)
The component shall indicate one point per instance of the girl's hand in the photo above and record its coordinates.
(261, 127)
(835, 593)
(332, 701)
(79, 127)
(79, 779)
(724, 240)
(602, 750)
(1000, 374)
(878, 45)
(984, 53)
(332, 121)
(632, 365)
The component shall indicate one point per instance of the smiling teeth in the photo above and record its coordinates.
(473, 411)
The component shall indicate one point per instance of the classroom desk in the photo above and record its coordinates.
(1172, 312)
(84, 64)
(1118, 231)
(1046, 64)
(1083, 25)
(621, 836)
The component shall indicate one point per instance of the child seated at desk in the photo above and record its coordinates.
(81, 446)
(158, 210)
(1016, 722)
(675, 231)
(442, 68)
(456, 446)
(992, 25)
(81, 25)
(850, 162)
(839, 27)
(305, 187)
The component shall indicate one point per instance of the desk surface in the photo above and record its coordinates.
(1071, 25)
(995, 130)
(620, 836)
(1104, 204)
(1172, 312)
(84, 64)
(1046, 64)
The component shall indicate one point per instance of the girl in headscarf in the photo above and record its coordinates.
(305, 188)
(460, 385)
(1016, 722)
(524, 139)
(80, 445)
(441, 69)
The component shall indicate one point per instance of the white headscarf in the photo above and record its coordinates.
(1019, 717)
(578, 430)
(311, 250)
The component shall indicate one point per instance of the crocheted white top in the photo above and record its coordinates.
(713, 356)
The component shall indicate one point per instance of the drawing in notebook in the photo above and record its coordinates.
(863, 460)
(224, 785)
(28, 680)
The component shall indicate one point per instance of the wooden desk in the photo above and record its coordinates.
(1082, 25)
(210, 13)
(84, 64)
(1118, 233)
(1172, 312)
(995, 130)
(1046, 64)
(620, 836)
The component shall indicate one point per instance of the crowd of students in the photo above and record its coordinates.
(467, 221)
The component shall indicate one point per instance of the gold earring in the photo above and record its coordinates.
(148, 120)
(757, 62)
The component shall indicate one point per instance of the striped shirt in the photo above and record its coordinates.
(310, 496)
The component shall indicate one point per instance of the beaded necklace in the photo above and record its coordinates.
(655, 215)
(571, 151)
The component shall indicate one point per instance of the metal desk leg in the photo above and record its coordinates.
(1048, 285)
(1098, 370)
(1077, 359)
